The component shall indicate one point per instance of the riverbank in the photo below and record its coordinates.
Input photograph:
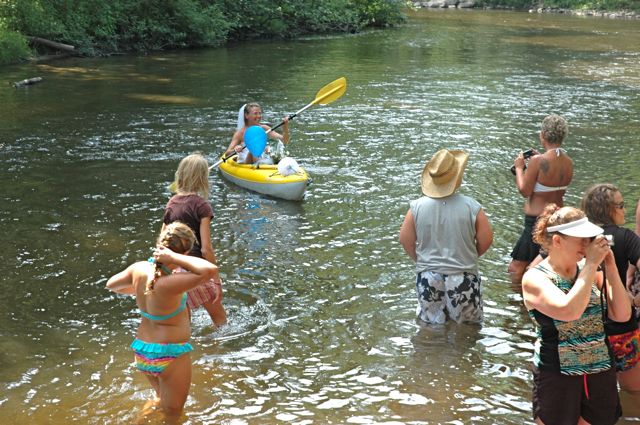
(126, 26)
(473, 4)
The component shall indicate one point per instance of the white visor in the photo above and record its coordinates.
(582, 228)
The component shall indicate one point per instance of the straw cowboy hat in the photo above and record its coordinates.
(443, 173)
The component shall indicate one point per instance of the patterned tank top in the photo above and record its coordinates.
(571, 348)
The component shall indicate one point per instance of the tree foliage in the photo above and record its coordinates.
(12, 46)
(98, 27)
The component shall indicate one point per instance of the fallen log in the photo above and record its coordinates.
(27, 82)
(52, 44)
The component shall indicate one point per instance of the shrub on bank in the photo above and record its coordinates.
(12, 46)
(98, 27)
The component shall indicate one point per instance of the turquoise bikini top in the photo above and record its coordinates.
(182, 306)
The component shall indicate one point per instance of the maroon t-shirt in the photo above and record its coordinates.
(189, 209)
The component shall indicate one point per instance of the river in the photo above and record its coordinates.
(319, 293)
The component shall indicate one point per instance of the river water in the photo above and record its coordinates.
(319, 293)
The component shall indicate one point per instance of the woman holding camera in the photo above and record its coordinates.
(545, 181)
(603, 204)
(574, 381)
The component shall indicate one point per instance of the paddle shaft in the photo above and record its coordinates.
(316, 100)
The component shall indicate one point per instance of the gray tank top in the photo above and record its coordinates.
(446, 234)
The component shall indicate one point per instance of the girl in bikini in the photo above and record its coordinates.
(545, 181)
(161, 347)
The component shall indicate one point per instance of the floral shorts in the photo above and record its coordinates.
(626, 349)
(454, 296)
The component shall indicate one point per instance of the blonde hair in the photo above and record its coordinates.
(554, 129)
(178, 237)
(247, 109)
(192, 175)
(553, 216)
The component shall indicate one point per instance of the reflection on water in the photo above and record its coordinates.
(319, 294)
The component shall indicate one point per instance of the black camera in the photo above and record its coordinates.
(527, 154)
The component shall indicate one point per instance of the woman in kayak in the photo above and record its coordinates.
(249, 115)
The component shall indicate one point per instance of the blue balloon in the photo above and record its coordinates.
(255, 139)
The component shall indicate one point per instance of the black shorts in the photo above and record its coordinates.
(526, 249)
(562, 399)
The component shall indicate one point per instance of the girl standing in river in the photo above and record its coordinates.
(190, 206)
(161, 346)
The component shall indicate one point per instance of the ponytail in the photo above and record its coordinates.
(178, 237)
(553, 215)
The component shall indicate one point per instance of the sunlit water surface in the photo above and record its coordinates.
(320, 295)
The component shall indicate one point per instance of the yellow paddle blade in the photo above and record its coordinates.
(332, 91)
(173, 187)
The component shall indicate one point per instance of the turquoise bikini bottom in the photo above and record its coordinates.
(153, 358)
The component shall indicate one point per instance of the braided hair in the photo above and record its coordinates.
(178, 237)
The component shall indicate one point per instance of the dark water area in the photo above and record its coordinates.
(319, 293)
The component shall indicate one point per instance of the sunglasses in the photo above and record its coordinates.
(619, 205)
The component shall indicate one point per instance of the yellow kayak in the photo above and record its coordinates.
(266, 179)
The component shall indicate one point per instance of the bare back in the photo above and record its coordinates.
(552, 169)
(159, 302)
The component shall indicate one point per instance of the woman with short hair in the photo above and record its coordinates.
(545, 181)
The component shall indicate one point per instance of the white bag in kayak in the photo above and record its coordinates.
(288, 166)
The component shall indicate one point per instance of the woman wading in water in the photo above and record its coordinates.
(574, 381)
(545, 181)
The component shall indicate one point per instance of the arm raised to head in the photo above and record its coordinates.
(199, 271)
